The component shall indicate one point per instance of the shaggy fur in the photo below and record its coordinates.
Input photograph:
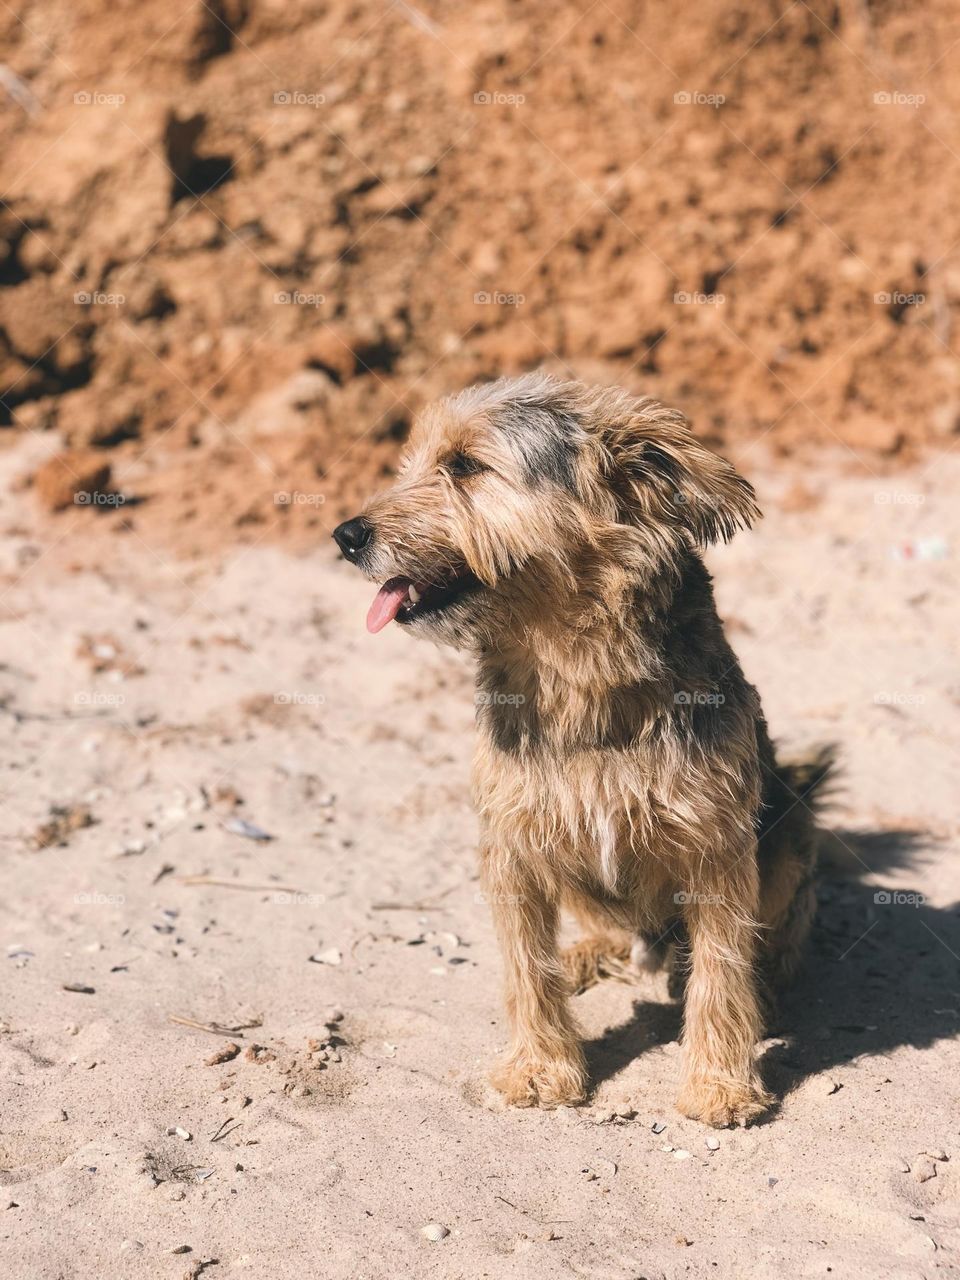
(623, 769)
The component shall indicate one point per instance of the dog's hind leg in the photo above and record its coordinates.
(545, 1063)
(600, 955)
(605, 950)
(722, 1017)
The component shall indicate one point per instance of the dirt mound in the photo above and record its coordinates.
(241, 249)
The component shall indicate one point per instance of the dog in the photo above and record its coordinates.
(623, 770)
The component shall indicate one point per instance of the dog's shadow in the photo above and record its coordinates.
(881, 970)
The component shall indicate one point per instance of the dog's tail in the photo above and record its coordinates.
(789, 849)
(810, 779)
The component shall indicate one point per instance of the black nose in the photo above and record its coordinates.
(352, 536)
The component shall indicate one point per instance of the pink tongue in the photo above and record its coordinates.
(387, 604)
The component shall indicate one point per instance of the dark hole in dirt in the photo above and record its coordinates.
(831, 164)
(710, 280)
(335, 375)
(54, 381)
(11, 268)
(379, 356)
(193, 175)
(128, 429)
(396, 429)
(651, 341)
(205, 174)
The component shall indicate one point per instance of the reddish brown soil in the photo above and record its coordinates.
(339, 155)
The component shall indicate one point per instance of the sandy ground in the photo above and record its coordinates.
(246, 686)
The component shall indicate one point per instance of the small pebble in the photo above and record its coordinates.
(658, 1126)
(937, 1153)
(434, 1231)
(626, 1112)
(176, 1132)
(226, 1053)
(182, 1248)
(712, 1143)
(680, 1154)
(128, 1245)
(249, 830)
(332, 955)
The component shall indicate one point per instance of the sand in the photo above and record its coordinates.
(155, 701)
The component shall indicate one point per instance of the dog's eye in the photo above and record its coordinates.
(461, 465)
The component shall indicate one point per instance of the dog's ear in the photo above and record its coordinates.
(662, 475)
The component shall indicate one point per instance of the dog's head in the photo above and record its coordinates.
(521, 499)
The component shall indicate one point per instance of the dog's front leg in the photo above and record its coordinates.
(722, 1021)
(545, 1063)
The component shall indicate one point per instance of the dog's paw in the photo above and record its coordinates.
(526, 1081)
(722, 1103)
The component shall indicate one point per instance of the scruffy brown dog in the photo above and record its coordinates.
(623, 769)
